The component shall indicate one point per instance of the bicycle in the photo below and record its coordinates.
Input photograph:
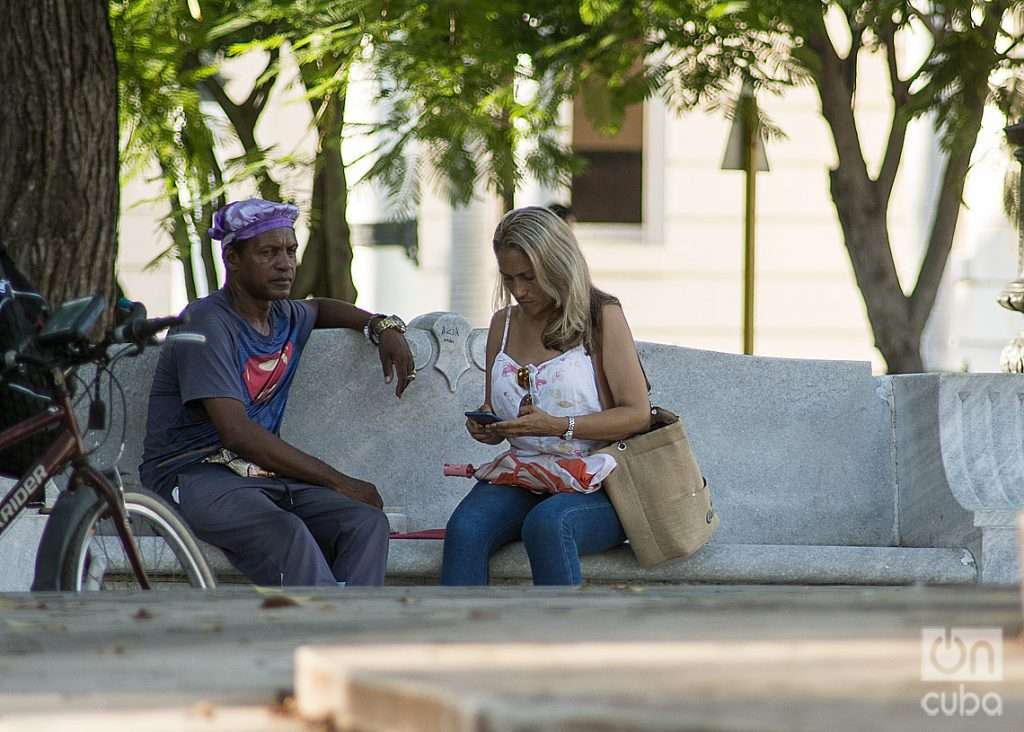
(99, 535)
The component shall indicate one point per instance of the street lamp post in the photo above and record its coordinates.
(745, 151)
(1011, 360)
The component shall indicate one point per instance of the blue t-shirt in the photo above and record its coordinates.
(236, 362)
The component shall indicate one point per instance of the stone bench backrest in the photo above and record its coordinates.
(795, 451)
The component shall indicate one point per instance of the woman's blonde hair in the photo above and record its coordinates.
(561, 272)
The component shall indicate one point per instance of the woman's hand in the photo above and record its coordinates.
(531, 422)
(479, 432)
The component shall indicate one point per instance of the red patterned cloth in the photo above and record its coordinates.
(540, 473)
(562, 386)
(424, 534)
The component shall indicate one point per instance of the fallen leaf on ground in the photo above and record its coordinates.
(278, 601)
(203, 709)
(482, 615)
(284, 704)
(143, 614)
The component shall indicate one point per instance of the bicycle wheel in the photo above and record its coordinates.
(96, 560)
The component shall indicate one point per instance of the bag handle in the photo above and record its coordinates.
(650, 402)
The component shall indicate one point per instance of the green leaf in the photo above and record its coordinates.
(595, 12)
(722, 9)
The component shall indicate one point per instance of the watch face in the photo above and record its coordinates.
(392, 321)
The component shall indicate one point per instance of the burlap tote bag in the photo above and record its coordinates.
(659, 493)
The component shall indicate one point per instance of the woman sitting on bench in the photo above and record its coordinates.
(563, 379)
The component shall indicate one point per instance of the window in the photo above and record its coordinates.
(610, 189)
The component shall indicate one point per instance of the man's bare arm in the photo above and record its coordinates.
(395, 357)
(332, 313)
(245, 438)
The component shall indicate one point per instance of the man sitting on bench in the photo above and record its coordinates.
(281, 516)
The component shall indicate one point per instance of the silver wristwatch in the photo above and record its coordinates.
(567, 435)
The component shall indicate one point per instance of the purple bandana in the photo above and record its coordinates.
(248, 218)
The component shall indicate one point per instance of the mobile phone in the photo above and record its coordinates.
(481, 417)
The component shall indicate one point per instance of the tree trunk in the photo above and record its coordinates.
(184, 246)
(58, 145)
(179, 231)
(209, 208)
(326, 269)
(244, 117)
(862, 203)
(866, 235)
(506, 166)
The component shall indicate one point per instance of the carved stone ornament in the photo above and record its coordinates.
(1012, 296)
(1011, 360)
(458, 346)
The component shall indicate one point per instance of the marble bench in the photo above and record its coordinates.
(821, 472)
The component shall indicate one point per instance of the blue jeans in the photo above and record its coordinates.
(556, 530)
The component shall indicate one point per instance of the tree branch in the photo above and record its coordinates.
(940, 240)
(235, 113)
(914, 12)
(893, 154)
(243, 118)
(179, 229)
(900, 89)
(850, 62)
(260, 93)
(898, 131)
(837, 107)
(947, 211)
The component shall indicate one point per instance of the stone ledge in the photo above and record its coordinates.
(418, 561)
(18, 547)
(741, 563)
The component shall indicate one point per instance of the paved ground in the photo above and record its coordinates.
(697, 657)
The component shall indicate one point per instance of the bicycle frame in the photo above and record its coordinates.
(66, 448)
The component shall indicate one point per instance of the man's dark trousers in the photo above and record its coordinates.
(279, 532)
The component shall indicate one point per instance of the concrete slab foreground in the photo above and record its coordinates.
(131, 656)
(200, 718)
(727, 685)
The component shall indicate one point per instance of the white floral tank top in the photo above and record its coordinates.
(561, 386)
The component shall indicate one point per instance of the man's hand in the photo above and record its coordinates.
(359, 490)
(396, 360)
(254, 442)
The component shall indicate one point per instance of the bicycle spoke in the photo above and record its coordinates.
(104, 564)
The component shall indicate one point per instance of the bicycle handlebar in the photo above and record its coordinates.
(136, 331)
(140, 330)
